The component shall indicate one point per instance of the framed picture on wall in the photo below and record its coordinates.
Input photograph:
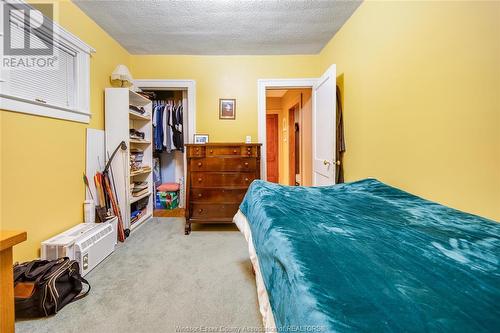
(227, 108)
(201, 138)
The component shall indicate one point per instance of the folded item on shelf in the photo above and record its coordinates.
(141, 204)
(136, 215)
(135, 169)
(168, 187)
(139, 188)
(135, 134)
(136, 158)
(140, 184)
(137, 109)
(140, 192)
(147, 94)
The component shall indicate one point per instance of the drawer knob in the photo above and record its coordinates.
(200, 195)
(249, 153)
(246, 179)
(234, 151)
(197, 149)
(211, 151)
(200, 210)
(199, 180)
(249, 148)
(199, 164)
(246, 164)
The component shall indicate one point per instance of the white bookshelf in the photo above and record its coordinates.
(119, 120)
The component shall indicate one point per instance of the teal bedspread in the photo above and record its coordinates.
(367, 257)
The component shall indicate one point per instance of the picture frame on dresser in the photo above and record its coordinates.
(200, 138)
(218, 176)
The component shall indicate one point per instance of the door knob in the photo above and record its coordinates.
(325, 162)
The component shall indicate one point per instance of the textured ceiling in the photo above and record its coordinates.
(221, 26)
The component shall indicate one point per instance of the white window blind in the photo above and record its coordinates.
(53, 86)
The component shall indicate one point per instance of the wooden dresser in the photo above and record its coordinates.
(218, 175)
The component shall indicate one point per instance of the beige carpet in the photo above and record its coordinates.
(163, 281)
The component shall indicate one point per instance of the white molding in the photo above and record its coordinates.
(262, 85)
(40, 109)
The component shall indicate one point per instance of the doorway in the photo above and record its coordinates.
(323, 127)
(170, 165)
(289, 136)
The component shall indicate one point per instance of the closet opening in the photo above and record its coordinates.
(172, 124)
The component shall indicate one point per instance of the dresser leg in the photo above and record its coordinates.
(187, 228)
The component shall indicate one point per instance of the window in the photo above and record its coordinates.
(54, 85)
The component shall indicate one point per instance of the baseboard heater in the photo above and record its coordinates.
(87, 243)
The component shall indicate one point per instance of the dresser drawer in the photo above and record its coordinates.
(194, 151)
(224, 164)
(224, 151)
(204, 179)
(217, 195)
(249, 151)
(211, 211)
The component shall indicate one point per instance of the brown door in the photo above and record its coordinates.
(291, 146)
(272, 148)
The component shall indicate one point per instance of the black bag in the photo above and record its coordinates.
(43, 287)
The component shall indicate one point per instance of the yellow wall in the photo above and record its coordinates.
(421, 104)
(43, 159)
(225, 77)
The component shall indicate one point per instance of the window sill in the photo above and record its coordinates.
(15, 104)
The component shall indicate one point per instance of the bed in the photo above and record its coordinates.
(367, 257)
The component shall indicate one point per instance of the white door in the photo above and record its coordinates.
(324, 94)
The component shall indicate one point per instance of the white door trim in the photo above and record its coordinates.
(262, 85)
(189, 85)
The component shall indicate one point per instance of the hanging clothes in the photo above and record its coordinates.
(167, 126)
(157, 126)
(171, 117)
(177, 128)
